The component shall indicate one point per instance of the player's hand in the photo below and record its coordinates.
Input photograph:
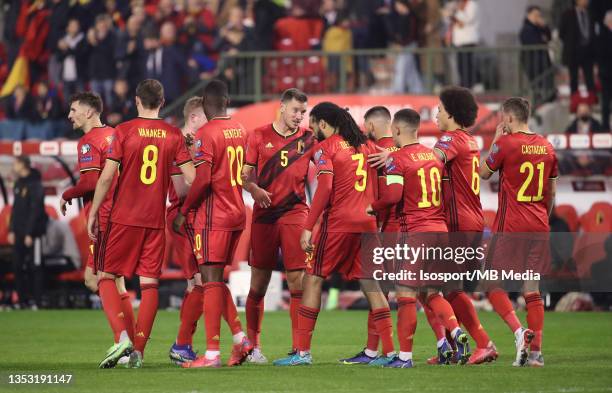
(499, 131)
(307, 246)
(28, 241)
(11, 238)
(63, 204)
(262, 197)
(379, 160)
(370, 211)
(178, 222)
(92, 226)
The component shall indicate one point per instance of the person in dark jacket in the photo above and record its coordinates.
(577, 31)
(584, 123)
(20, 105)
(102, 66)
(536, 63)
(27, 225)
(605, 69)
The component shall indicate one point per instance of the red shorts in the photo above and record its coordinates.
(216, 246)
(519, 252)
(94, 247)
(428, 266)
(266, 239)
(131, 249)
(183, 245)
(335, 252)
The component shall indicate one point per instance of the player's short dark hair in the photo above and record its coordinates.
(408, 116)
(519, 107)
(340, 119)
(532, 8)
(378, 111)
(91, 99)
(24, 160)
(151, 93)
(460, 104)
(216, 93)
(294, 94)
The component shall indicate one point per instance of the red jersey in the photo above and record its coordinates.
(353, 186)
(525, 162)
(391, 220)
(461, 181)
(172, 196)
(282, 167)
(146, 150)
(418, 169)
(92, 152)
(220, 143)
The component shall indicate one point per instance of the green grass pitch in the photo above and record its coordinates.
(577, 353)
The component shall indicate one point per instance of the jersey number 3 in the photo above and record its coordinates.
(360, 185)
(148, 170)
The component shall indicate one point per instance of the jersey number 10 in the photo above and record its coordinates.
(434, 180)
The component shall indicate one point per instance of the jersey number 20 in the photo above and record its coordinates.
(235, 155)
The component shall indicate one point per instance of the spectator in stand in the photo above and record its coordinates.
(432, 37)
(266, 13)
(129, 52)
(235, 37)
(338, 38)
(465, 27)
(298, 31)
(584, 123)
(20, 105)
(165, 62)
(577, 32)
(72, 54)
(102, 66)
(27, 225)
(115, 14)
(58, 20)
(605, 69)
(123, 108)
(197, 28)
(403, 30)
(536, 63)
(47, 103)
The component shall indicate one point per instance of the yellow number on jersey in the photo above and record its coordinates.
(475, 175)
(360, 185)
(528, 167)
(434, 180)
(235, 155)
(284, 158)
(198, 242)
(149, 162)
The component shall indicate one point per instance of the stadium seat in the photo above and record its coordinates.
(596, 225)
(598, 218)
(5, 216)
(569, 214)
(13, 130)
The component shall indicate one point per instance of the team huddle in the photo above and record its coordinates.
(380, 179)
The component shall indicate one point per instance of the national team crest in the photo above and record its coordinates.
(86, 148)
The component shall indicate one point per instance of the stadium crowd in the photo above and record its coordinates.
(108, 46)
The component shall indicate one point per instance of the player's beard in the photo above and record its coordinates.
(371, 136)
(320, 136)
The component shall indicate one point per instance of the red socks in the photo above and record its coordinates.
(214, 303)
(307, 319)
(294, 306)
(373, 337)
(111, 302)
(443, 311)
(535, 318)
(434, 323)
(191, 310)
(406, 322)
(384, 327)
(128, 314)
(230, 314)
(146, 315)
(466, 313)
(254, 316)
(503, 307)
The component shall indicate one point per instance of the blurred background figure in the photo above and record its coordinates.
(465, 30)
(28, 223)
(584, 123)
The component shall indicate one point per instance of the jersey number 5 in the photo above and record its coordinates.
(235, 155)
(434, 180)
(528, 167)
(148, 170)
(360, 185)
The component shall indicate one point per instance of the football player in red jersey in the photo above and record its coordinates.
(377, 122)
(459, 151)
(85, 110)
(146, 148)
(345, 188)
(275, 172)
(527, 167)
(183, 244)
(220, 218)
(415, 167)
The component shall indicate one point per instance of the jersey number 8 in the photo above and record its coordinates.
(149, 161)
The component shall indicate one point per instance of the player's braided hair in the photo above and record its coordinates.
(340, 119)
